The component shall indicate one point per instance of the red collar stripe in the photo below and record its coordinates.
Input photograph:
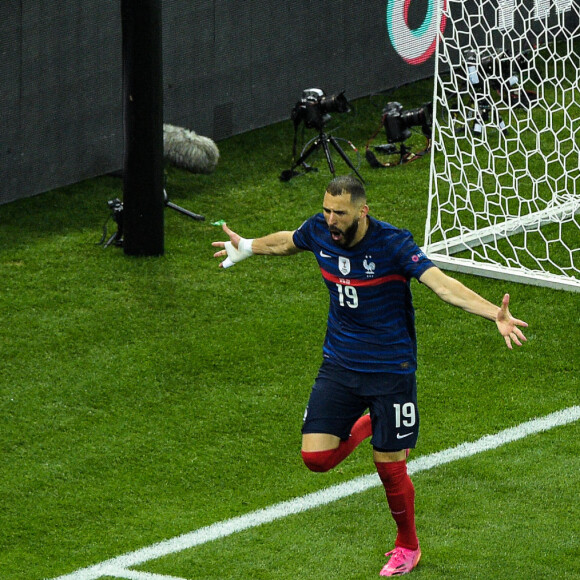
(370, 282)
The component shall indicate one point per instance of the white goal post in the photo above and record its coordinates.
(504, 194)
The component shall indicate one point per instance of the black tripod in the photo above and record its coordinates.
(321, 141)
(116, 207)
(182, 210)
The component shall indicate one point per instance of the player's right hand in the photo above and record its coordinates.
(235, 250)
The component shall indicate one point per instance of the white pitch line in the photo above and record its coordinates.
(136, 575)
(118, 567)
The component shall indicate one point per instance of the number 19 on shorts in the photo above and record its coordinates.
(404, 415)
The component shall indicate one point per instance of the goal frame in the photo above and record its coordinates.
(442, 252)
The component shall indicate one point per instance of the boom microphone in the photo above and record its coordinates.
(188, 150)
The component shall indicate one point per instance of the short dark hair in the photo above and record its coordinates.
(348, 184)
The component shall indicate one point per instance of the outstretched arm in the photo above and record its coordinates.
(238, 248)
(454, 292)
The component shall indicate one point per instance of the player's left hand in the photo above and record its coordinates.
(508, 325)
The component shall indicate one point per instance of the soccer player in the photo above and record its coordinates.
(370, 350)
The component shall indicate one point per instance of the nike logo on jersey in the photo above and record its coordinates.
(323, 255)
(399, 436)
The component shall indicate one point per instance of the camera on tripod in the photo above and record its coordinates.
(501, 72)
(487, 73)
(398, 124)
(314, 108)
(116, 207)
(116, 212)
(495, 67)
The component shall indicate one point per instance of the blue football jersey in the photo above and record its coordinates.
(371, 320)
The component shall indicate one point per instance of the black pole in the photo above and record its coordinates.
(143, 199)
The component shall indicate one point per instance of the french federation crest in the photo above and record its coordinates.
(344, 265)
(369, 267)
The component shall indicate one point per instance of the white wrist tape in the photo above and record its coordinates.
(235, 255)
(245, 246)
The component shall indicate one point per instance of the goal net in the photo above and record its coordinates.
(504, 197)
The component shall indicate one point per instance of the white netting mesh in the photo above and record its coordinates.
(504, 197)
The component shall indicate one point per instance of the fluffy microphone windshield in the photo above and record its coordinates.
(188, 150)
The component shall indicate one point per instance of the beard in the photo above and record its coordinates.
(344, 238)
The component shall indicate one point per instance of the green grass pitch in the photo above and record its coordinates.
(143, 398)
